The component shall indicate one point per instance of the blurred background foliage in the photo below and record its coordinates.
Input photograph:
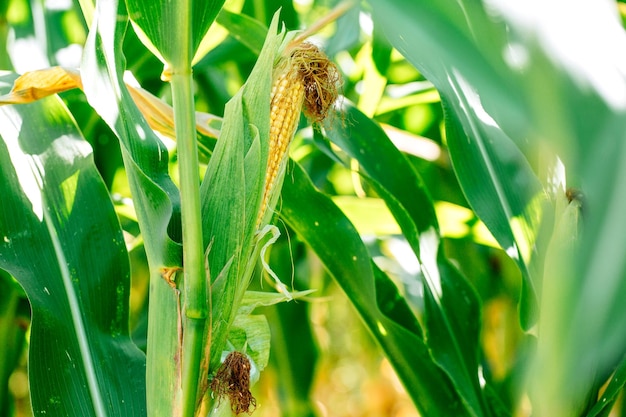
(323, 360)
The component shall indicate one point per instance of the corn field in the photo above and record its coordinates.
(312, 208)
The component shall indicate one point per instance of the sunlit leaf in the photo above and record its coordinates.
(468, 65)
(326, 230)
(505, 193)
(218, 33)
(246, 30)
(158, 25)
(155, 196)
(451, 306)
(62, 241)
(232, 188)
(36, 85)
(490, 65)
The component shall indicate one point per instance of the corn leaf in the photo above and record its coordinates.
(31, 26)
(451, 306)
(155, 197)
(322, 226)
(294, 350)
(232, 188)
(611, 393)
(157, 24)
(490, 184)
(14, 312)
(246, 30)
(491, 169)
(489, 63)
(62, 241)
(586, 125)
(294, 353)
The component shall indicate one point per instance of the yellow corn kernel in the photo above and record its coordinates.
(306, 78)
(287, 99)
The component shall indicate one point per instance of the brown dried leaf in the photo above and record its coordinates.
(35, 85)
(160, 115)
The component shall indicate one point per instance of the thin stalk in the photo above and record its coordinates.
(194, 284)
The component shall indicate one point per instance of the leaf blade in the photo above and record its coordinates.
(450, 299)
(80, 321)
(155, 197)
(154, 23)
(326, 230)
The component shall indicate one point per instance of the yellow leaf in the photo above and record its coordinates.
(36, 85)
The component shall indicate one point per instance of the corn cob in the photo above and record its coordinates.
(306, 77)
(287, 100)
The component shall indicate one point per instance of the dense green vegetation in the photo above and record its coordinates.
(448, 241)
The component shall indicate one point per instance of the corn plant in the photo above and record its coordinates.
(519, 312)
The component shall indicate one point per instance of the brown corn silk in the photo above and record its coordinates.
(232, 380)
(305, 80)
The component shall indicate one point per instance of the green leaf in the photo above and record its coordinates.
(502, 189)
(405, 193)
(467, 43)
(246, 30)
(14, 315)
(447, 42)
(451, 306)
(294, 350)
(251, 334)
(584, 120)
(218, 33)
(550, 367)
(62, 241)
(155, 196)
(611, 393)
(327, 231)
(255, 299)
(452, 321)
(45, 32)
(347, 31)
(158, 25)
(232, 189)
(5, 60)
(523, 71)
(294, 356)
(381, 50)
